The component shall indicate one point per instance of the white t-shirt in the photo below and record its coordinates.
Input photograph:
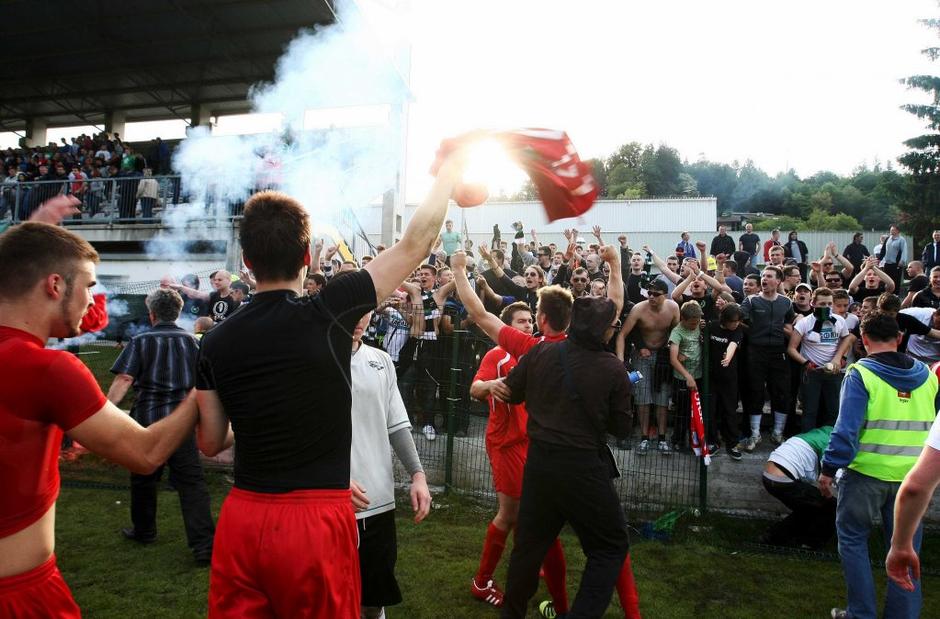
(377, 412)
(796, 456)
(921, 346)
(820, 347)
(933, 439)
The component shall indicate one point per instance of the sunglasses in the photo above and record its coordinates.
(653, 294)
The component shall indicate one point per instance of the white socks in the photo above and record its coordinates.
(780, 421)
(755, 425)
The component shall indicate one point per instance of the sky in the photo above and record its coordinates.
(805, 85)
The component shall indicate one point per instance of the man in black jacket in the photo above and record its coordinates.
(569, 468)
(931, 254)
(722, 244)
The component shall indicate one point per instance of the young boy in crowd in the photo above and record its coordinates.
(724, 339)
(685, 356)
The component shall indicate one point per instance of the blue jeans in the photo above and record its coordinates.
(861, 499)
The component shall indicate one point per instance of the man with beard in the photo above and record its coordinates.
(47, 296)
(579, 283)
(653, 319)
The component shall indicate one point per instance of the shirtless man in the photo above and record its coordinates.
(654, 319)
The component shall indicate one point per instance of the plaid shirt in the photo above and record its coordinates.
(163, 365)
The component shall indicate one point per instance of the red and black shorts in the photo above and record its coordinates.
(285, 555)
(378, 553)
(40, 592)
(508, 464)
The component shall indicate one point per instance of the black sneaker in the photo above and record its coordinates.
(734, 452)
(132, 534)
(203, 558)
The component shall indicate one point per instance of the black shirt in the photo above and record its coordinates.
(926, 298)
(221, 307)
(750, 242)
(719, 339)
(863, 293)
(633, 288)
(281, 368)
(194, 308)
(600, 381)
(722, 245)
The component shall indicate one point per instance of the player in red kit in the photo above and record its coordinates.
(45, 292)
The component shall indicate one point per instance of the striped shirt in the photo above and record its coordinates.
(163, 365)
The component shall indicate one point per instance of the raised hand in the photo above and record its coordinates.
(597, 233)
(623, 240)
(608, 254)
(485, 252)
(458, 261)
(568, 234)
(54, 210)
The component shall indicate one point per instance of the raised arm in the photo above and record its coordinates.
(393, 265)
(681, 286)
(490, 324)
(192, 293)
(441, 294)
(615, 283)
(716, 286)
(662, 266)
(315, 259)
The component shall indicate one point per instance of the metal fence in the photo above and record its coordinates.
(120, 199)
(435, 386)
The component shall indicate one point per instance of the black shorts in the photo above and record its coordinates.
(378, 553)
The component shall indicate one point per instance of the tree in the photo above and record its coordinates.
(921, 206)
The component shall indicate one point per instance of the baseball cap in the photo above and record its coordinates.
(804, 285)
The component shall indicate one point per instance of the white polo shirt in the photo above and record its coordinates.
(377, 412)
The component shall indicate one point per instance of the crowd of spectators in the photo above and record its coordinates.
(100, 170)
(769, 318)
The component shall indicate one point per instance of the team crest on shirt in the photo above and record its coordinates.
(904, 396)
(376, 365)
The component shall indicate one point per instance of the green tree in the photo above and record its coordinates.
(921, 205)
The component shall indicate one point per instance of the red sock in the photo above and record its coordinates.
(493, 547)
(626, 591)
(555, 576)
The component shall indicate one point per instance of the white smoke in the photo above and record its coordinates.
(329, 169)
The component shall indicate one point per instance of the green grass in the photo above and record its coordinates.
(710, 568)
(697, 574)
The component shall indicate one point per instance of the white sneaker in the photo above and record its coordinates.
(644, 447)
(429, 432)
(776, 438)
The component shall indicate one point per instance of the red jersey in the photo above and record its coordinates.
(507, 422)
(517, 343)
(42, 393)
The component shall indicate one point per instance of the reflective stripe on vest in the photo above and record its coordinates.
(896, 425)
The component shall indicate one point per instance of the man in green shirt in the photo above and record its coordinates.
(449, 238)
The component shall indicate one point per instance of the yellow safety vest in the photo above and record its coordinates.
(896, 425)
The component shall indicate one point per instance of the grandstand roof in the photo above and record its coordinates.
(71, 63)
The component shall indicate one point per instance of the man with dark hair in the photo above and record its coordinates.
(161, 366)
(885, 413)
(279, 371)
(653, 320)
(929, 296)
(722, 243)
(313, 284)
(931, 254)
(769, 316)
(575, 393)
(506, 446)
(579, 282)
(45, 392)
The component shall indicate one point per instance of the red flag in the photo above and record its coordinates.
(697, 428)
(565, 184)
(96, 319)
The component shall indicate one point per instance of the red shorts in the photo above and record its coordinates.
(40, 592)
(507, 464)
(285, 555)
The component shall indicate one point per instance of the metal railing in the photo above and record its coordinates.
(109, 200)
